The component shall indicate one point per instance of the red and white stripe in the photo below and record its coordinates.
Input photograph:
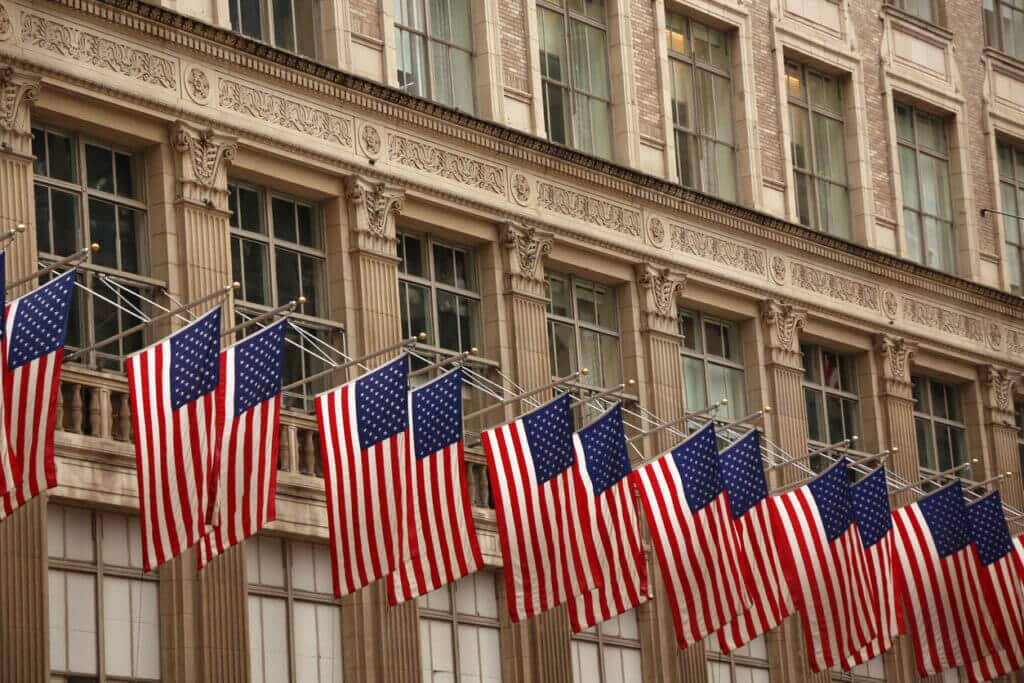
(829, 582)
(246, 466)
(10, 462)
(444, 547)
(705, 574)
(546, 531)
(30, 392)
(771, 600)
(367, 490)
(890, 620)
(620, 552)
(1007, 578)
(944, 601)
(172, 449)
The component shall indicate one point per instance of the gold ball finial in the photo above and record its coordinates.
(767, 409)
(236, 285)
(631, 382)
(94, 247)
(974, 461)
(724, 401)
(473, 350)
(422, 336)
(20, 228)
(585, 371)
(894, 450)
(854, 439)
(301, 301)
(1009, 473)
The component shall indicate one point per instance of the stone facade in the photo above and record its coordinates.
(204, 111)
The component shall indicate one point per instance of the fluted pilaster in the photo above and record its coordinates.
(782, 322)
(17, 206)
(997, 384)
(221, 606)
(896, 397)
(23, 590)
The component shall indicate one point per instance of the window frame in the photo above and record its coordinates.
(1018, 414)
(578, 324)
(454, 618)
(426, 35)
(934, 420)
(596, 635)
(904, 6)
(736, 659)
(709, 359)
(1016, 183)
(823, 391)
(268, 30)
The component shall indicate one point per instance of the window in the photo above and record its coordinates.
(583, 330)
(939, 424)
(459, 632)
(1018, 412)
(872, 670)
(1004, 26)
(434, 42)
(830, 395)
(294, 620)
(748, 664)
(924, 168)
(288, 24)
(818, 149)
(608, 652)
(86, 192)
(712, 363)
(104, 612)
(574, 71)
(922, 9)
(277, 255)
(700, 66)
(1011, 194)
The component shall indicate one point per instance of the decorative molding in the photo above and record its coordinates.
(588, 209)
(519, 185)
(439, 161)
(998, 388)
(656, 232)
(6, 25)
(278, 111)
(718, 249)
(658, 289)
(890, 304)
(17, 91)
(778, 270)
(835, 286)
(370, 141)
(783, 320)
(197, 85)
(375, 206)
(895, 353)
(944, 320)
(525, 249)
(203, 158)
(97, 51)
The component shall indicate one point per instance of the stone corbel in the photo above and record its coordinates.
(997, 385)
(783, 321)
(203, 156)
(374, 208)
(895, 353)
(658, 289)
(525, 249)
(17, 91)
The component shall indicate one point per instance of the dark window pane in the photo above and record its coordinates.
(586, 306)
(128, 223)
(99, 168)
(236, 263)
(563, 349)
(815, 420)
(557, 113)
(939, 400)
(715, 339)
(103, 230)
(254, 255)
(307, 233)
(39, 151)
(919, 394)
(66, 222)
(42, 196)
(417, 301)
(469, 323)
(688, 328)
(251, 213)
(444, 265)
(75, 318)
(62, 157)
(447, 321)
(306, 23)
(252, 25)
(412, 251)
(284, 25)
(561, 301)
(233, 206)
(125, 184)
(311, 281)
(283, 212)
(287, 265)
(465, 270)
(925, 456)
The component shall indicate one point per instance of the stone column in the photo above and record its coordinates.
(997, 384)
(381, 642)
(23, 584)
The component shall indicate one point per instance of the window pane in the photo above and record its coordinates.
(693, 378)
(65, 222)
(815, 418)
(306, 22)
(308, 234)
(284, 25)
(440, 74)
(447, 321)
(81, 623)
(590, 357)
(283, 216)
(103, 229)
(834, 207)
(556, 113)
(444, 265)
(57, 603)
(250, 209)
(829, 147)
(720, 169)
(462, 23)
(690, 330)
(254, 256)
(913, 230)
(586, 304)
(611, 366)
(563, 349)
(931, 132)
(935, 186)
(412, 255)
(99, 168)
(436, 651)
(552, 50)
(251, 23)
(682, 93)
(61, 153)
(908, 177)
(800, 146)
(125, 184)
(311, 283)
(418, 318)
(465, 270)
(469, 323)
(129, 224)
(585, 662)
(411, 56)
(604, 300)
(462, 80)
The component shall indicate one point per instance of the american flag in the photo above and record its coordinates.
(544, 525)
(10, 465)
(245, 466)
(172, 386)
(603, 465)
(1003, 565)
(443, 543)
(36, 325)
(364, 429)
(697, 545)
(944, 601)
(744, 480)
(870, 499)
(824, 564)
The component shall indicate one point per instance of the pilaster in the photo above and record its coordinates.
(17, 204)
(997, 385)
(24, 634)
(896, 397)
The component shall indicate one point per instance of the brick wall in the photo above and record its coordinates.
(645, 66)
(515, 62)
(767, 93)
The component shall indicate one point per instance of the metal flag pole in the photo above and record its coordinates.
(410, 342)
(932, 478)
(66, 261)
(601, 393)
(818, 451)
(745, 420)
(223, 291)
(526, 394)
(881, 457)
(12, 233)
(285, 308)
(679, 420)
(991, 480)
(457, 359)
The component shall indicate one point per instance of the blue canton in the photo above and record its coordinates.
(743, 474)
(604, 447)
(549, 435)
(831, 491)
(382, 404)
(41, 321)
(988, 529)
(946, 516)
(258, 367)
(437, 414)
(195, 360)
(871, 507)
(697, 462)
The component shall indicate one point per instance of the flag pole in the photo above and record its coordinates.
(990, 480)
(526, 394)
(679, 420)
(155, 319)
(66, 261)
(12, 233)
(410, 342)
(881, 456)
(932, 478)
(817, 451)
(457, 359)
(602, 393)
(744, 420)
(285, 308)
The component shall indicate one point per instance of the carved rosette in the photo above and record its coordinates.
(894, 355)
(656, 231)
(998, 385)
(777, 270)
(658, 289)
(203, 159)
(783, 321)
(197, 85)
(17, 91)
(370, 141)
(374, 208)
(519, 185)
(525, 249)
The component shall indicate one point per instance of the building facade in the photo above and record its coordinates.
(807, 204)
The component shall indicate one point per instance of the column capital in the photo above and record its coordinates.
(374, 206)
(895, 353)
(997, 385)
(783, 320)
(202, 164)
(658, 288)
(17, 91)
(525, 249)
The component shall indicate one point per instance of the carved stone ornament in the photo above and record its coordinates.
(520, 186)
(894, 356)
(204, 156)
(6, 25)
(777, 270)
(783, 320)
(656, 231)
(999, 383)
(658, 289)
(16, 92)
(525, 249)
(374, 208)
(370, 141)
(197, 85)
(890, 304)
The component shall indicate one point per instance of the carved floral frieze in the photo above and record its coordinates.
(588, 209)
(944, 320)
(6, 25)
(835, 286)
(718, 249)
(447, 164)
(278, 111)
